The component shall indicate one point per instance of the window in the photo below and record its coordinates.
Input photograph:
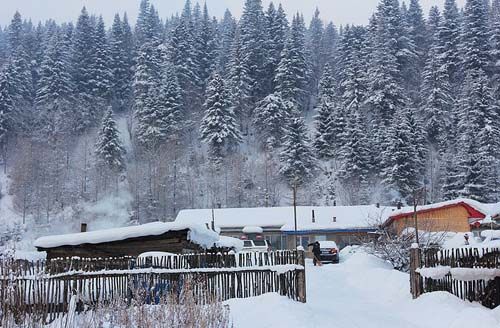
(247, 243)
(259, 242)
(320, 238)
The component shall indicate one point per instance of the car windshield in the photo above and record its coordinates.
(247, 243)
(259, 242)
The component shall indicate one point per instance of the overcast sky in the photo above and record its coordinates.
(338, 11)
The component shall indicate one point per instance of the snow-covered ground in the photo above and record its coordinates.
(362, 291)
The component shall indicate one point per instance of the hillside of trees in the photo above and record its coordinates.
(193, 111)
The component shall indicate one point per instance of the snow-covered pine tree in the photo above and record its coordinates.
(6, 110)
(293, 71)
(182, 54)
(269, 116)
(276, 33)
(101, 74)
(219, 129)
(478, 150)
(354, 172)
(152, 116)
(297, 159)
(206, 47)
(437, 97)
(15, 32)
(227, 32)
(55, 86)
(352, 68)
(253, 42)
(315, 58)
(451, 176)
(400, 161)
(449, 35)
(329, 43)
(109, 149)
(120, 66)
(495, 51)
(386, 95)
(475, 41)
(325, 138)
(415, 23)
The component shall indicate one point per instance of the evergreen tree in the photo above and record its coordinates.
(297, 159)
(495, 50)
(475, 36)
(384, 74)
(449, 34)
(206, 47)
(325, 138)
(227, 31)
(355, 169)
(400, 159)
(120, 65)
(437, 95)
(276, 32)
(252, 38)
(269, 116)
(292, 72)
(315, 60)
(352, 71)
(239, 85)
(182, 54)
(218, 127)
(101, 74)
(109, 148)
(6, 110)
(15, 33)
(478, 151)
(83, 55)
(55, 85)
(151, 116)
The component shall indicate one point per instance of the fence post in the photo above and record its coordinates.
(415, 278)
(301, 276)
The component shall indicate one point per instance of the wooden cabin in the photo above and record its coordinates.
(461, 215)
(129, 241)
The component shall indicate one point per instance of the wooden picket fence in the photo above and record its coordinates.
(484, 291)
(43, 290)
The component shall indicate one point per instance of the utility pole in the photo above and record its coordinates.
(417, 193)
(295, 209)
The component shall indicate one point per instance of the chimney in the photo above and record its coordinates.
(399, 205)
(313, 217)
(83, 227)
(334, 219)
(377, 205)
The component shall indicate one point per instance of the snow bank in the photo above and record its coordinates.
(490, 234)
(230, 242)
(197, 234)
(253, 229)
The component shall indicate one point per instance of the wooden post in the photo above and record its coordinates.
(415, 278)
(301, 277)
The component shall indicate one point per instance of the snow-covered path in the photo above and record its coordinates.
(364, 292)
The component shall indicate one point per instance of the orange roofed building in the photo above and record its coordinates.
(460, 215)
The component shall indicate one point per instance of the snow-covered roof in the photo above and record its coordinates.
(197, 234)
(346, 217)
(487, 210)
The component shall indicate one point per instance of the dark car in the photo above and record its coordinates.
(329, 251)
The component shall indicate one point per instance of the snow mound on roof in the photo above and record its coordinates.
(230, 242)
(197, 234)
